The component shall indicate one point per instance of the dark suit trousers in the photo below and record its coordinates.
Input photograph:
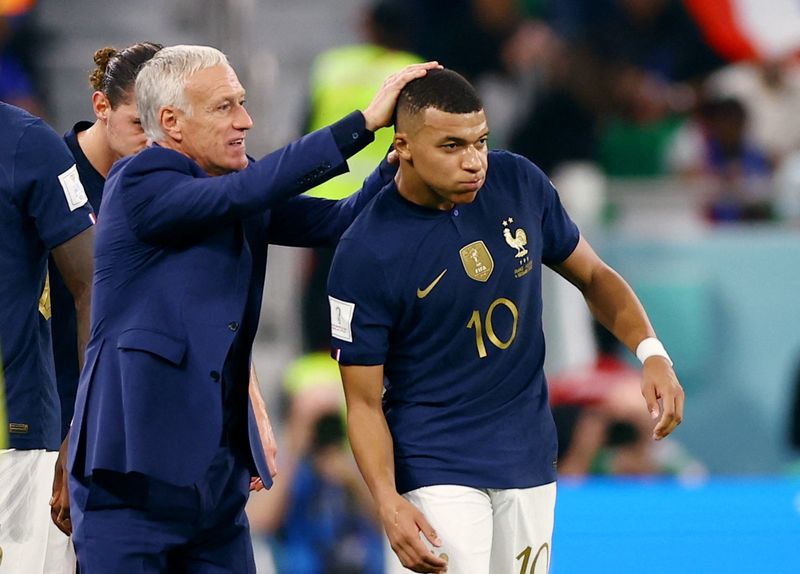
(129, 523)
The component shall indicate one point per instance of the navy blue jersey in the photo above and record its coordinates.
(450, 303)
(42, 204)
(64, 323)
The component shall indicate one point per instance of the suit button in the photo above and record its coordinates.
(214, 376)
(233, 326)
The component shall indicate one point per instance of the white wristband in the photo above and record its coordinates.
(651, 347)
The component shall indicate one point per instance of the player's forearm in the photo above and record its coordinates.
(75, 261)
(616, 306)
(83, 308)
(372, 447)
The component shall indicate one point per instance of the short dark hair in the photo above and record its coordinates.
(115, 70)
(444, 89)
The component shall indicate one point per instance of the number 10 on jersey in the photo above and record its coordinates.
(476, 323)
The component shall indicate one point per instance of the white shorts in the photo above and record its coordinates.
(487, 531)
(29, 541)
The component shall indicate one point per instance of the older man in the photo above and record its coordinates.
(159, 455)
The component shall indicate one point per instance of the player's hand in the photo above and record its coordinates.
(664, 395)
(265, 433)
(59, 502)
(380, 110)
(403, 522)
(256, 484)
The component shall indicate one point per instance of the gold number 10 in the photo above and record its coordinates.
(475, 321)
(525, 556)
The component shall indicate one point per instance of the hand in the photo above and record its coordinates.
(270, 446)
(380, 110)
(256, 484)
(265, 433)
(59, 502)
(664, 395)
(403, 522)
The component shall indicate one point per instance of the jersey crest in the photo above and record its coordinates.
(518, 241)
(477, 260)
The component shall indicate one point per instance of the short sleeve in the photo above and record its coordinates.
(52, 194)
(560, 235)
(360, 305)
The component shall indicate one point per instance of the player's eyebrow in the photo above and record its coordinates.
(460, 140)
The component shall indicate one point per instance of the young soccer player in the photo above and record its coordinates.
(436, 313)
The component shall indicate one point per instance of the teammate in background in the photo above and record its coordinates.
(436, 288)
(160, 449)
(115, 133)
(43, 209)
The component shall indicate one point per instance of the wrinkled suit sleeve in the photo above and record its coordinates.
(167, 196)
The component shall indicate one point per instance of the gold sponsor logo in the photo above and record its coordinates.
(18, 428)
(477, 260)
(422, 293)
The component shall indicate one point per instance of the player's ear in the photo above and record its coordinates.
(170, 123)
(101, 105)
(401, 145)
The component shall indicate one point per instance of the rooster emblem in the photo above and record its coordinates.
(518, 241)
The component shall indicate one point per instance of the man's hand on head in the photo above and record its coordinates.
(380, 110)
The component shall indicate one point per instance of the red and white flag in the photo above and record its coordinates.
(749, 29)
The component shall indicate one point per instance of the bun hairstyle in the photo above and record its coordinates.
(101, 59)
(115, 70)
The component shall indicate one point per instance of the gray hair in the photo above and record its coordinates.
(162, 79)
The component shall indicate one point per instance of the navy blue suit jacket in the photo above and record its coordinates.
(180, 263)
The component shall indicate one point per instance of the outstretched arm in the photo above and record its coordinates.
(166, 195)
(306, 221)
(615, 305)
(372, 446)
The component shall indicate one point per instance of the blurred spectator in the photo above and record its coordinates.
(623, 73)
(714, 149)
(343, 79)
(18, 40)
(770, 91)
(602, 427)
(465, 35)
(329, 526)
(318, 516)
